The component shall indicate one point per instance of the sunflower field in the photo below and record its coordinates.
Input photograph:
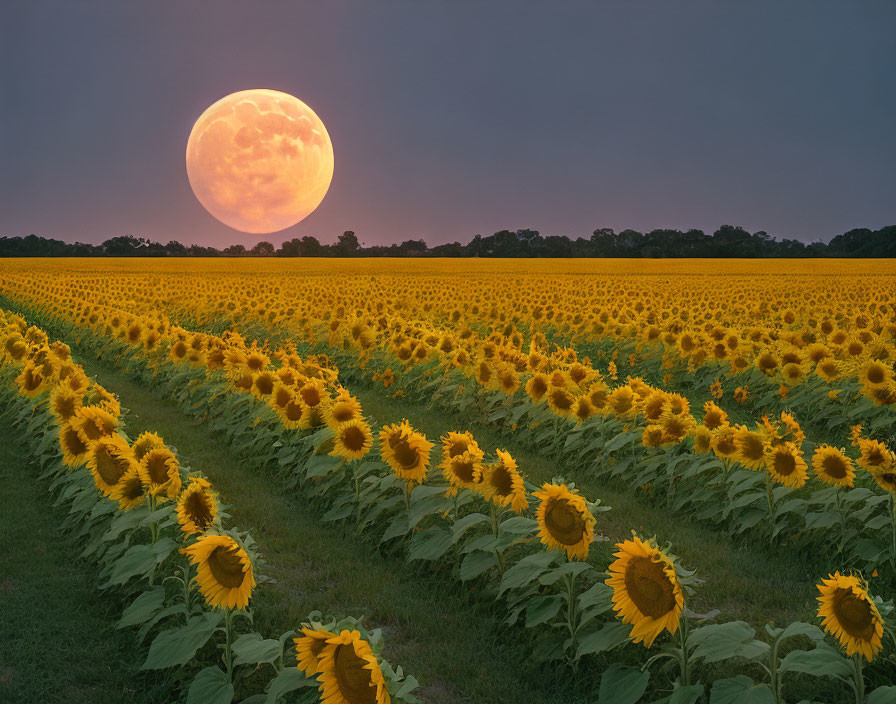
(632, 481)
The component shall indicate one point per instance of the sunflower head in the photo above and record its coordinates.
(160, 472)
(786, 465)
(751, 446)
(849, 614)
(352, 439)
(405, 450)
(564, 521)
(503, 484)
(109, 459)
(130, 491)
(93, 422)
(224, 571)
(310, 647)
(713, 416)
(74, 449)
(349, 672)
(145, 442)
(646, 591)
(343, 408)
(833, 467)
(197, 507)
(64, 404)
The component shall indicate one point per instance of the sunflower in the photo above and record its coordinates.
(309, 648)
(293, 414)
(583, 409)
(713, 416)
(145, 442)
(786, 465)
(64, 403)
(646, 592)
(741, 394)
(537, 387)
(564, 521)
(197, 507)
(561, 401)
(621, 401)
(653, 436)
(461, 460)
(31, 381)
(74, 449)
(833, 466)
(405, 450)
(349, 673)
(224, 571)
(702, 440)
(263, 384)
(160, 472)
(503, 485)
(109, 459)
(751, 447)
(874, 374)
(353, 439)
(828, 369)
(874, 454)
(130, 491)
(343, 408)
(93, 422)
(848, 612)
(723, 443)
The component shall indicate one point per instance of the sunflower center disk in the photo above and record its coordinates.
(405, 454)
(198, 509)
(564, 523)
(226, 567)
(649, 587)
(854, 615)
(352, 677)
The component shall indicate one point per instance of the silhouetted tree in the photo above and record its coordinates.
(263, 249)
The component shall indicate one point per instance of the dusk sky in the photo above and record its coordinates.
(455, 118)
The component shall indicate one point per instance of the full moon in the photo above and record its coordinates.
(259, 160)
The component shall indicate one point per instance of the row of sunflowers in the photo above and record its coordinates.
(478, 514)
(160, 538)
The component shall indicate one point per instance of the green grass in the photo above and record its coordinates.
(435, 630)
(58, 641)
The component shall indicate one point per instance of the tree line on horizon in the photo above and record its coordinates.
(727, 242)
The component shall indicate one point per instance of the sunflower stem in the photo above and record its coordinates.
(860, 679)
(838, 497)
(187, 579)
(496, 531)
(770, 495)
(228, 650)
(893, 521)
(683, 639)
(571, 610)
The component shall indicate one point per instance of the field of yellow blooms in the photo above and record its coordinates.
(752, 399)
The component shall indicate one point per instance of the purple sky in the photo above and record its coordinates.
(455, 118)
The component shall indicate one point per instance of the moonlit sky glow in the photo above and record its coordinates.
(455, 118)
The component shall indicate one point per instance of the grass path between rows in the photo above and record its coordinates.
(751, 582)
(431, 627)
(58, 641)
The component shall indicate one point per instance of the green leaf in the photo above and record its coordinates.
(687, 695)
(740, 690)
(143, 608)
(462, 525)
(177, 646)
(611, 635)
(622, 684)
(252, 649)
(289, 680)
(720, 641)
(542, 608)
(803, 629)
(431, 544)
(821, 661)
(475, 563)
(210, 686)
(528, 570)
(882, 695)
(139, 560)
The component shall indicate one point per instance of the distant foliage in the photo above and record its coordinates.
(727, 242)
